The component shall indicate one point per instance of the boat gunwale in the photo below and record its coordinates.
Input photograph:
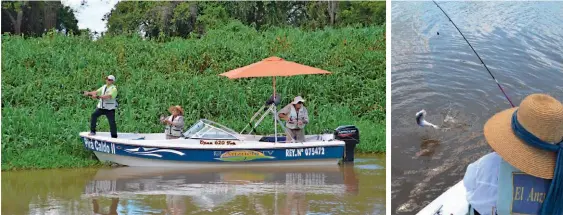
(248, 145)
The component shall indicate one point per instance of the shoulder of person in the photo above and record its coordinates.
(286, 108)
(487, 164)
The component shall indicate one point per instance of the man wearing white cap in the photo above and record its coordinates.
(106, 105)
(296, 117)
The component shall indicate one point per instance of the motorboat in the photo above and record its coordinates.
(208, 143)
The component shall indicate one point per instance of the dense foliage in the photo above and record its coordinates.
(182, 19)
(34, 18)
(42, 79)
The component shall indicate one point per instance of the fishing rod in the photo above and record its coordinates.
(490, 73)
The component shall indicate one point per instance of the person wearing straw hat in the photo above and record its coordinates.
(296, 117)
(174, 123)
(525, 173)
(106, 105)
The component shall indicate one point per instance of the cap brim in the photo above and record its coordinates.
(499, 135)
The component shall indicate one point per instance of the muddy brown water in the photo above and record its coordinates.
(434, 69)
(358, 188)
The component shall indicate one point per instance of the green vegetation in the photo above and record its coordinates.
(43, 109)
(33, 18)
(182, 19)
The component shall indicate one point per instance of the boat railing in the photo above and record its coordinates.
(262, 112)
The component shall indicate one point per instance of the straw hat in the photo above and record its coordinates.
(539, 114)
(177, 107)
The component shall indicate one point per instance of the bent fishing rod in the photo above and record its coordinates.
(490, 73)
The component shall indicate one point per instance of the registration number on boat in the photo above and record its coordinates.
(99, 146)
(305, 152)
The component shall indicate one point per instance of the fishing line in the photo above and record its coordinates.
(490, 73)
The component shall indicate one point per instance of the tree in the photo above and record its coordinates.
(365, 13)
(13, 11)
(180, 19)
(33, 18)
(66, 21)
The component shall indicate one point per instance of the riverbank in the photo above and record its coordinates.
(42, 79)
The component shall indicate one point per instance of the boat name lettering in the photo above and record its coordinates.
(217, 142)
(99, 146)
(314, 151)
(203, 142)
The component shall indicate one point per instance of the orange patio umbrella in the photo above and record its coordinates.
(272, 67)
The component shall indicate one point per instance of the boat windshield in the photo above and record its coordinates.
(207, 129)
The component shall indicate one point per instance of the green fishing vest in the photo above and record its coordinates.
(108, 104)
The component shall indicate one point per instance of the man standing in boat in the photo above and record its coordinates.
(296, 117)
(106, 105)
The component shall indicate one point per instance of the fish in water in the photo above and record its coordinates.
(421, 122)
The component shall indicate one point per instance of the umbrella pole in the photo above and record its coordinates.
(275, 114)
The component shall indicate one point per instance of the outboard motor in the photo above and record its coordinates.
(350, 134)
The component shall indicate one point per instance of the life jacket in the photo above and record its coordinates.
(295, 117)
(518, 192)
(108, 104)
(175, 130)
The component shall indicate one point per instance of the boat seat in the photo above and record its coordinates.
(271, 139)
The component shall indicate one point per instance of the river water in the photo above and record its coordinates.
(348, 189)
(434, 69)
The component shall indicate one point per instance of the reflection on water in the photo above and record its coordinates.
(434, 69)
(350, 189)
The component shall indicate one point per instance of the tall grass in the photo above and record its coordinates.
(42, 80)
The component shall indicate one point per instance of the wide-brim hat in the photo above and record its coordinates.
(539, 114)
(178, 108)
(297, 100)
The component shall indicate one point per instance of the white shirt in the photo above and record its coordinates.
(481, 183)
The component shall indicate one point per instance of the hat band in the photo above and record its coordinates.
(553, 203)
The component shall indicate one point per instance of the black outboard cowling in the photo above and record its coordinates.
(350, 134)
(273, 100)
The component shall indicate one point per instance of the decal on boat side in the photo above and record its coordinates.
(242, 155)
(100, 146)
(217, 142)
(153, 152)
(305, 152)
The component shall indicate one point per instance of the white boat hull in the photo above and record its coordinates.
(210, 144)
(451, 202)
